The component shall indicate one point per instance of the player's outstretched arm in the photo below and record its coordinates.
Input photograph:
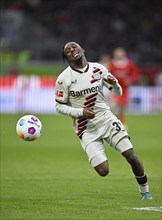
(68, 110)
(115, 86)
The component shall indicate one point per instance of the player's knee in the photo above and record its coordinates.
(131, 157)
(102, 169)
(104, 172)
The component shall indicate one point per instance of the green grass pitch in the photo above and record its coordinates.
(50, 178)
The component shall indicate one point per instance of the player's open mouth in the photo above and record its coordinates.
(75, 55)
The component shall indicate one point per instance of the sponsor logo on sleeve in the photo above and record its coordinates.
(59, 93)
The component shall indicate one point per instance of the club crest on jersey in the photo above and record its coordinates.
(96, 75)
(59, 93)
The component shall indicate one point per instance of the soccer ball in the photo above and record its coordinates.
(29, 128)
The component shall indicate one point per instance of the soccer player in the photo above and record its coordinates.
(79, 94)
(127, 74)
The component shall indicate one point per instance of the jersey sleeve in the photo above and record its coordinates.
(68, 110)
(62, 99)
(61, 90)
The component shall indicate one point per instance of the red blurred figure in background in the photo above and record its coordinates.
(127, 74)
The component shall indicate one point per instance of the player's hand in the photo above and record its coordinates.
(88, 113)
(111, 80)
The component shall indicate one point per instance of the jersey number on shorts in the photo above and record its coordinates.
(117, 125)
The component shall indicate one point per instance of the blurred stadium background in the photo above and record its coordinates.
(33, 33)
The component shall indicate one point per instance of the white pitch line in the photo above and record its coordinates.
(157, 209)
